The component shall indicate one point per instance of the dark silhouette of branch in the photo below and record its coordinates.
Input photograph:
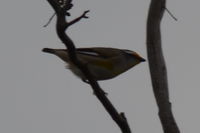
(157, 66)
(49, 20)
(61, 27)
(171, 14)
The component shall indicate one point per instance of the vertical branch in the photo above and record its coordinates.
(61, 27)
(157, 66)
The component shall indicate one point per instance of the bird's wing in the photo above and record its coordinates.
(99, 52)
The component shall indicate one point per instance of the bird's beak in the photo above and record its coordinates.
(142, 59)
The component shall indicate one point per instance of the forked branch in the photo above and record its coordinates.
(61, 27)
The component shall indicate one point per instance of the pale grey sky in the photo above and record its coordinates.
(38, 95)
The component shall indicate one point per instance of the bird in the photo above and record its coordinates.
(103, 63)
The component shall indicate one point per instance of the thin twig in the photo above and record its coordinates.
(49, 20)
(171, 14)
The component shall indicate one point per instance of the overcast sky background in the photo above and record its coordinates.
(38, 95)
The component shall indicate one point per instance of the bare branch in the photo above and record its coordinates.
(79, 18)
(171, 14)
(55, 5)
(157, 66)
(61, 27)
(49, 20)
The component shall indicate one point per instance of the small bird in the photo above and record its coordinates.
(103, 63)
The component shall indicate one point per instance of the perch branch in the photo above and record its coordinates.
(61, 27)
(157, 66)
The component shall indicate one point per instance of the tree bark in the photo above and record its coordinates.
(157, 66)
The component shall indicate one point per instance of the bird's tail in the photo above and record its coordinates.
(48, 50)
